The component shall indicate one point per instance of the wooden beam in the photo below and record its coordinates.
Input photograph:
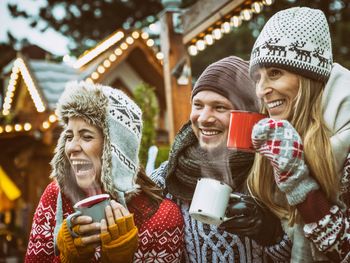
(177, 96)
(204, 14)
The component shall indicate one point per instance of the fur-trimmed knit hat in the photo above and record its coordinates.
(120, 120)
(229, 77)
(298, 40)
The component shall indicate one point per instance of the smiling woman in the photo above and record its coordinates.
(277, 88)
(302, 168)
(84, 143)
(97, 152)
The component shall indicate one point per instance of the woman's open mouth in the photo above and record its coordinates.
(82, 167)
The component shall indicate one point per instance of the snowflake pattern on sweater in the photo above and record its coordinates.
(160, 236)
(331, 234)
(41, 241)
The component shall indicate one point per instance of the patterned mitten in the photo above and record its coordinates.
(71, 249)
(120, 242)
(281, 144)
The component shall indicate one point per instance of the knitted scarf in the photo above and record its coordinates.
(188, 162)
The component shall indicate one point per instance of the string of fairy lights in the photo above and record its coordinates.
(27, 127)
(114, 54)
(225, 26)
(197, 44)
(20, 68)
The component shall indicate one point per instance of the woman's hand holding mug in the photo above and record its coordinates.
(86, 232)
(119, 235)
(109, 227)
(84, 223)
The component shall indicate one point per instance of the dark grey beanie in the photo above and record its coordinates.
(229, 77)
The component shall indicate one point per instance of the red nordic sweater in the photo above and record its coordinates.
(161, 236)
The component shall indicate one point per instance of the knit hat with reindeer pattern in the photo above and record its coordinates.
(120, 121)
(298, 40)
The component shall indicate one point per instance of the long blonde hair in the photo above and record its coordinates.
(307, 119)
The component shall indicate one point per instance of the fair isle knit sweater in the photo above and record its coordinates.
(208, 243)
(327, 225)
(160, 236)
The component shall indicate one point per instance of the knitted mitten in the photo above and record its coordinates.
(281, 144)
(120, 242)
(71, 249)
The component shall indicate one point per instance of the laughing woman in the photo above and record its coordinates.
(97, 152)
(302, 170)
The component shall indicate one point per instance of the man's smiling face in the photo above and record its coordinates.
(210, 117)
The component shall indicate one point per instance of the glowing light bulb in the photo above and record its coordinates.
(192, 50)
(217, 34)
(209, 40)
(200, 44)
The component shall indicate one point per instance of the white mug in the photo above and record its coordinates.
(210, 201)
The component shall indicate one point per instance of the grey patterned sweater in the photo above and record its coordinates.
(207, 243)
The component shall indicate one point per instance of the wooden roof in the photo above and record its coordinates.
(34, 86)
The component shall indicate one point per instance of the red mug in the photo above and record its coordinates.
(91, 201)
(240, 130)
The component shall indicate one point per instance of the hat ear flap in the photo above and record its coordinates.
(59, 162)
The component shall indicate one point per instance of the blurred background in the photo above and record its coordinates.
(153, 50)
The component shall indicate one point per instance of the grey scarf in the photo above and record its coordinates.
(188, 162)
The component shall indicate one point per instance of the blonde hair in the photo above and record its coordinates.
(307, 118)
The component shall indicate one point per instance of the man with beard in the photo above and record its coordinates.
(199, 150)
